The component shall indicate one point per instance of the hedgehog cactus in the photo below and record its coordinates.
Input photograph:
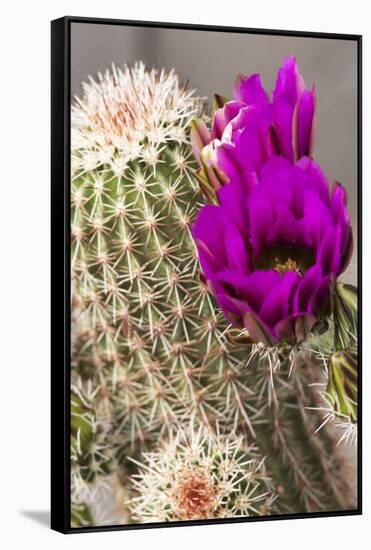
(151, 351)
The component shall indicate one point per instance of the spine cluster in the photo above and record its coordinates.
(199, 474)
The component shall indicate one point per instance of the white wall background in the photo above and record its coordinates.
(24, 273)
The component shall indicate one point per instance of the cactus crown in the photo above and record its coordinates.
(198, 474)
(126, 115)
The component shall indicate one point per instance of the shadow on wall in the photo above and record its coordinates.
(42, 517)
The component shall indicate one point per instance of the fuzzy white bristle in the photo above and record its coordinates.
(128, 112)
(198, 474)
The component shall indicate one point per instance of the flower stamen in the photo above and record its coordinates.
(290, 266)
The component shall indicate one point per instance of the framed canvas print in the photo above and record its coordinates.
(206, 218)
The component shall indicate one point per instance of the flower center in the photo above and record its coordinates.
(285, 259)
(289, 266)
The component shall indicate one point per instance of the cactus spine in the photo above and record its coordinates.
(197, 475)
(151, 353)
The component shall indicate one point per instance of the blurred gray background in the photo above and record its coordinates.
(211, 61)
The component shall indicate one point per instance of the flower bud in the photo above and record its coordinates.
(342, 384)
(345, 315)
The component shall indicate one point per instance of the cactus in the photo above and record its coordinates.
(152, 353)
(198, 475)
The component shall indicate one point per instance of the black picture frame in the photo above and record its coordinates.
(60, 267)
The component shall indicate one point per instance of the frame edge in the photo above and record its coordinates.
(60, 314)
(60, 407)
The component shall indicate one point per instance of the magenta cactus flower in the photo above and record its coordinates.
(271, 254)
(248, 130)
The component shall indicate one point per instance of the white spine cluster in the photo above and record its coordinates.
(127, 114)
(200, 475)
